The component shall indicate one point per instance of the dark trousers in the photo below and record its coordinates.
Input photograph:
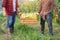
(49, 21)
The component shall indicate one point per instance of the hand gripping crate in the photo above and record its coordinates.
(29, 18)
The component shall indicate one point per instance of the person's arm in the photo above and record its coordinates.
(17, 5)
(40, 7)
(4, 11)
(4, 7)
(55, 8)
(18, 12)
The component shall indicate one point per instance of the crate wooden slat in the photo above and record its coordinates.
(28, 21)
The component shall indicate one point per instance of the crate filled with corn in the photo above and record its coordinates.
(28, 18)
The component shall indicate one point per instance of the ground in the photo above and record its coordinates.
(29, 32)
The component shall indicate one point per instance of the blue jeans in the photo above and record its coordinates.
(11, 20)
(49, 21)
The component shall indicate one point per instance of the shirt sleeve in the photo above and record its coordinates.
(17, 3)
(40, 7)
(4, 3)
(54, 6)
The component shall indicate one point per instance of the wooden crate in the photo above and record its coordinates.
(28, 19)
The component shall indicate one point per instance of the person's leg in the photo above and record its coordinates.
(49, 21)
(13, 22)
(9, 23)
(42, 25)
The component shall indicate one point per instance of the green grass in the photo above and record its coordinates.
(25, 32)
(28, 32)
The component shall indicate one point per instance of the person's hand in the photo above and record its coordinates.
(43, 17)
(4, 14)
(56, 17)
(19, 14)
(37, 14)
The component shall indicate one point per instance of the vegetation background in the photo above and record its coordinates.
(30, 32)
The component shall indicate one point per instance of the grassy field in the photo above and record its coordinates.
(28, 32)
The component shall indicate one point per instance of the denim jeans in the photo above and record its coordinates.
(11, 20)
(49, 21)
